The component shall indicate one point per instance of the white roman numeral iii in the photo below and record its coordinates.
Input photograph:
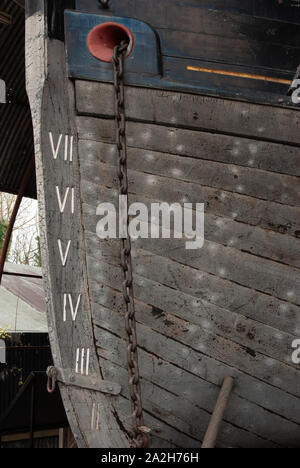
(82, 361)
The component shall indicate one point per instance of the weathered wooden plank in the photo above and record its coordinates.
(250, 239)
(191, 111)
(265, 340)
(211, 308)
(253, 182)
(259, 307)
(240, 412)
(229, 263)
(253, 304)
(175, 15)
(260, 274)
(258, 392)
(239, 50)
(161, 432)
(216, 320)
(272, 157)
(145, 10)
(179, 413)
(267, 215)
(243, 358)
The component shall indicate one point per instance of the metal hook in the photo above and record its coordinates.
(51, 382)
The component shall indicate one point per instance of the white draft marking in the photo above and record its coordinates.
(64, 257)
(95, 417)
(68, 150)
(82, 361)
(73, 312)
(62, 203)
(55, 150)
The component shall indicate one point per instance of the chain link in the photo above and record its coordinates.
(140, 432)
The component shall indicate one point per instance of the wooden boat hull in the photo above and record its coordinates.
(230, 308)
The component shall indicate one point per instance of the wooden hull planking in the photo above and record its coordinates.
(230, 308)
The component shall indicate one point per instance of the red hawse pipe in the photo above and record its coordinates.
(103, 39)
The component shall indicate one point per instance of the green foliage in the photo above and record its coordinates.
(37, 254)
(4, 334)
(3, 227)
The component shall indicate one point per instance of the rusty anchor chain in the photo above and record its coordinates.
(141, 438)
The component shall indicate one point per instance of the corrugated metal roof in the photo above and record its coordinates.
(22, 300)
(16, 137)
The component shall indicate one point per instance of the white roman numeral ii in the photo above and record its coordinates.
(95, 417)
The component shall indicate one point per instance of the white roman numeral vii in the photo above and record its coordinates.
(68, 146)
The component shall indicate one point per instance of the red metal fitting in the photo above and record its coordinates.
(103, 39)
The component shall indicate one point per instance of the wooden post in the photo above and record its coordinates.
(66, 439)
(32, 414)
(218, 414)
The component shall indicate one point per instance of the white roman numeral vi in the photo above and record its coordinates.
(62, 203)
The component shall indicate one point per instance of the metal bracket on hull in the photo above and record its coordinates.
(70, 379)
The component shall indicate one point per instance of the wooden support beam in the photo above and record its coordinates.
(5, 18)
(22, 275)
(218, 414)
(25, 435)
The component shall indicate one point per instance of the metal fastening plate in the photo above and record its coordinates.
(90, 382)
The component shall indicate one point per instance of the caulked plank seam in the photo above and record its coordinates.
(193, 402)
(184, 126)
(231, 281)
(183, 178)
(198, 325)
(189, 345)
(227, 368)
(255, 230)
(239, 428)
(223, 338)
(110, 139)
